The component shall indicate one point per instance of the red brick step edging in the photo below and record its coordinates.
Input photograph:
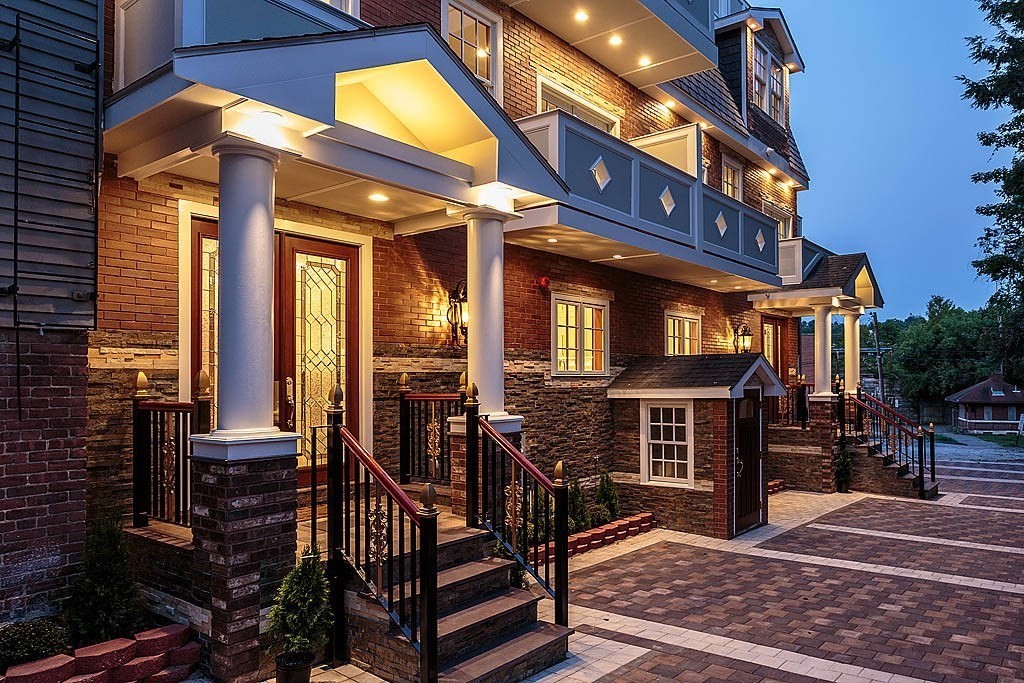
(618, 530)
(160, 655)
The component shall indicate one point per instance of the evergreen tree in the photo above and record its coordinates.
(1002, 242)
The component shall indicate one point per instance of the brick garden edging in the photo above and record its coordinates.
(610, 533)
(160, 655)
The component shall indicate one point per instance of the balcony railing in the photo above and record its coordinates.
(646, 188)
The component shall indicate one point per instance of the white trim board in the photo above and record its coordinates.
(189, 210)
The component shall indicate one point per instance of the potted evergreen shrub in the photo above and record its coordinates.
(301, 618)
(844, 470)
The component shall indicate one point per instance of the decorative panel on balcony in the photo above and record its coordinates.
(736, 231)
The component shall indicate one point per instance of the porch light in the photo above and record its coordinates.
(645, 61)
(553, 240)
(615, 40)
(458, 314)
(581, 16)
(378, 197)
(741, 338)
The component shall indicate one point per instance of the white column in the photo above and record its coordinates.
(823, 349)
(485, 288)
(245, 361)
(851, 354)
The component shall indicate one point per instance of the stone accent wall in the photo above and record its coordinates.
(42, 469)
(245, 531)
(804, 457)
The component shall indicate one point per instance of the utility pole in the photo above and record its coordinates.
(878, 355)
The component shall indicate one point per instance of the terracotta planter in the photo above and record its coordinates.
(294, 669)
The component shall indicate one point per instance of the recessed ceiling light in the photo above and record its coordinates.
(378, 197)
(704, 125)
(738, 287)
(581, 16)
(714, 282)
(616, 256)
(615, 40)
(553, 240)
(645, 61)
(670, 104)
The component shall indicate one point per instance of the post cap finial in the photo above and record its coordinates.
(338, 397)
(471, 395)
(931, 426)
(920, 431)
(559, 473)
(203, 383)
(463, 378)
(141, 384)
(473, 390)
(428, 496)
(403, 381)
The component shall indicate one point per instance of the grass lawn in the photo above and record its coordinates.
(1007, 440)
(946, 438)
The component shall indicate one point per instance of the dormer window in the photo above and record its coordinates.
(474, 34)
(769, 84)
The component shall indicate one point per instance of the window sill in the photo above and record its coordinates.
(669, 484)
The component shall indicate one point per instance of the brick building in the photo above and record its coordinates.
(589, 210)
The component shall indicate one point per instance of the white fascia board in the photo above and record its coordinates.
(663, 394)
(771, 383)
(141, 97)
(796, 294)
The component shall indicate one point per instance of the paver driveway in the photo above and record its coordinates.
(837, 588)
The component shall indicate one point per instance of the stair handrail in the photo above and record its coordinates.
(915, 447)
(504, 505)
(885, 407)
(423, 444)
(369, 535)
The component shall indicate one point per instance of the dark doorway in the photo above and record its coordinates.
(748, 460)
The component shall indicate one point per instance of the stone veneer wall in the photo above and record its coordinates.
(804, 457)
(42, 469)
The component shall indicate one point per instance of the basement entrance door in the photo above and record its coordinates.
(748, 460)
(316, 328)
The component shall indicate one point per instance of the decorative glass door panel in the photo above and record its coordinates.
(316, 328)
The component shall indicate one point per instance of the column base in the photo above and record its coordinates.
(823, 396)
(503, 423)
(245, 444)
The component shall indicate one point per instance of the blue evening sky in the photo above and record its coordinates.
(889, 143)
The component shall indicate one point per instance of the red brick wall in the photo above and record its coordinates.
(42, 469)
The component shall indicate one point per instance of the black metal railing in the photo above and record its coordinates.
(891, 413)
(793, 409)
(913, 450)
(375, 530)
(527, 512)
(162, 453)
(423, 433)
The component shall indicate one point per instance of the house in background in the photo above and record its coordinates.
(993, 406)
(316, 214)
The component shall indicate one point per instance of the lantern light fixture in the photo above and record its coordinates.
(458, 314)
(741, 338)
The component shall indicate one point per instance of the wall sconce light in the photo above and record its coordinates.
(741, 338)
(458, 314)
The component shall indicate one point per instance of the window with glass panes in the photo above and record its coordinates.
(776, 103)
(761, 61)
(731, 178)
(552, 99)
(785, 219)
(667, 442)
(580, 336)
(471, 38)
(769, 85)
(682, 335)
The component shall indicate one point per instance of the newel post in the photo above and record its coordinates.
(142, 451)
(931, 446)
(920, 461)
(561, 483)
(335, 496)
(472, 455)
(404, 429)
(428, 513)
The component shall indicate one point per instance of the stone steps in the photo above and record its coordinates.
(535, 649)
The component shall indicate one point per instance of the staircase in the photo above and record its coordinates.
(892, 455)
(418, 593)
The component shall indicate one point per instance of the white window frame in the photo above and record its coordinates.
(580, 302)
(683, 318)
(495, 85)
(645, 456)
(778, 213)
(763, 57)
(349, 7)
(615, 123)
(730, 163)
(987, 413)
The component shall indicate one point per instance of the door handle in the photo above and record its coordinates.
(289, 392)
(739, 465)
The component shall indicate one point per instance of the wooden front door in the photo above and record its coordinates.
(773, 350)
(748, 460)
(316, 328)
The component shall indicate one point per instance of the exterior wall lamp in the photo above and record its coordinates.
(458, 314)
(741, 338)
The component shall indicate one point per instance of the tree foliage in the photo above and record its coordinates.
(301, 618)
(1002, 242)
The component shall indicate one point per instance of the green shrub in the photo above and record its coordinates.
(599, 515)
(27, 641)
(844, 467)
(579, 520)
(104, 602)
(608, 495)
(300, 619)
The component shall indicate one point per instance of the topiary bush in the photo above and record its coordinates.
(300, 619)
(599, 515)
(105, 602)
(579, 520)
(27, 641)
(608, 495)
